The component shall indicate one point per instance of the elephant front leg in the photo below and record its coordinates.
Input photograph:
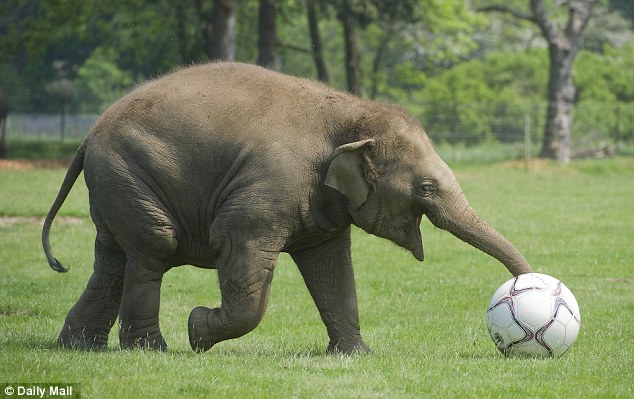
(327, 271)
(245, 283)
(139, 312)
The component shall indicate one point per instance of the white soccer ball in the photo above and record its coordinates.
(534, 315)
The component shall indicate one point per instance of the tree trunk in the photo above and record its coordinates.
(557, 142)
(206, 25)
(223, 41)
(267, 42)
(318, 54)
(181, 34)
(353, 59)
(563, 46)
(376, 65)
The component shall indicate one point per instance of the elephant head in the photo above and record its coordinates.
(393, 176)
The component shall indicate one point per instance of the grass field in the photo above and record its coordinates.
(425, 321)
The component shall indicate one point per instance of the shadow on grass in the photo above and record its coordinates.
(251, 352)
(31, 342)
(50, 344)
(480, 356)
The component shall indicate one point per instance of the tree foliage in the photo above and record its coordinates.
(482, 99)
(468, 76)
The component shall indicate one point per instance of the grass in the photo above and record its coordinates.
(42, 148)
(425, 321)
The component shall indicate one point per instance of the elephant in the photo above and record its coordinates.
(225, 166)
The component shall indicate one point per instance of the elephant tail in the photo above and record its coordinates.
(74, 170)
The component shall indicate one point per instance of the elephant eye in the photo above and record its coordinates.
(426, 188)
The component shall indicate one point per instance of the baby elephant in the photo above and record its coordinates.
(224, 166)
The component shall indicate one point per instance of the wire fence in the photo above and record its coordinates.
(512, 131)
(511, 123)
(49, 126)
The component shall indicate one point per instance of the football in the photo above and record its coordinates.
(533, 315)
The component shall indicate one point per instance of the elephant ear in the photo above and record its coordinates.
(348, 171)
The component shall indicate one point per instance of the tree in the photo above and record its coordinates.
(563, 46)
(315, 38)
(100, 81)
(64, 89)
(223, 41)
(483, 100)
(411, 40)
(267, 37)
(353, 14)
(392, 16)
(353, 58)
(348, 18)
(604, 110)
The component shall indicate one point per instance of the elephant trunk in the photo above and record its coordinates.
(470, 228)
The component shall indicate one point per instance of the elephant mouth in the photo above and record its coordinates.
(416, 244)
(403, 230)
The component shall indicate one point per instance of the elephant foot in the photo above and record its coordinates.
(147, 339)
(198, 330)
(344, 347)
(82, 339)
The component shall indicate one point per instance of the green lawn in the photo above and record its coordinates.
(425, 321)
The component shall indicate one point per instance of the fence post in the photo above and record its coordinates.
(527, 140)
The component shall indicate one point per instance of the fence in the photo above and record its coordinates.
(49, 126)
(485, 131)
(510, 123)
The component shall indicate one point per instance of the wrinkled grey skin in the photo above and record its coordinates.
(224, 166)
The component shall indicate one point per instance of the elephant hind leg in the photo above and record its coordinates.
(89, 321)
(139, 312)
